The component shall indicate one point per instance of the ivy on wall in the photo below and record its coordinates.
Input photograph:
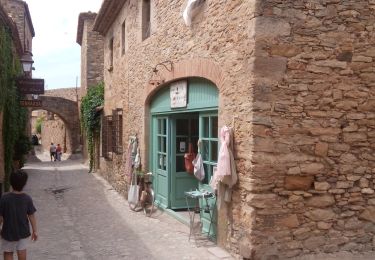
(38, 125)
(90, 117)
(14, 116)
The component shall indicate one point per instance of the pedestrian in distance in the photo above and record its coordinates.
(52, 152)
(58, 152)
(17, 212)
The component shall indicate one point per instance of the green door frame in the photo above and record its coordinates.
(180, 180)
(208, 134)
(160, 159)
(203, 99)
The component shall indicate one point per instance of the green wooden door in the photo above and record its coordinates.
(161, 159)
(185, 130)
(208, 133)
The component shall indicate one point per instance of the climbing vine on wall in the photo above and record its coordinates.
(90, 117)
(14, 116)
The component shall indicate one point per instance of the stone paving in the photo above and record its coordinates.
(81, 217)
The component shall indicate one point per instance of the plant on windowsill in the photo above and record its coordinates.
(90, 117)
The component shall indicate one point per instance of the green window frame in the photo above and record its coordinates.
(208, 133)
(162, 149)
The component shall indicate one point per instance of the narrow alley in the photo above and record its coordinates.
(81, 217)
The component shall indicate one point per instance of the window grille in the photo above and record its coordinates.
(117, 131)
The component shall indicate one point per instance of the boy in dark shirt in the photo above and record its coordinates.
(16, 211)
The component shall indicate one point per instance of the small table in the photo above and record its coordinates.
(196, 209)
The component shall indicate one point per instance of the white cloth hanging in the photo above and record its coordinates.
(198, 164)
(137, 160)
(191, 10)
(226, 168)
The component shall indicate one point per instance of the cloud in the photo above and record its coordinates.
(56, 53)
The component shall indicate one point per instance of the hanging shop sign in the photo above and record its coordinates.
(31, 103)
(178, 94)
(30, 86)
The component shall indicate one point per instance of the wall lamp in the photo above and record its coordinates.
(168, 65)
(165, 64)
(27, 63)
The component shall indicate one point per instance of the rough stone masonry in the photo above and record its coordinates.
(299, 77)
(314, 140)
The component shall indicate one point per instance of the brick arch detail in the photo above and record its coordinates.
(203, 68)
(67, 110)
(199, 67)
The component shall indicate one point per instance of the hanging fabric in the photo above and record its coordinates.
(129, 157)
(198, 164)
(137, 160)
(226, 168)
(133, 192)
(189, 158)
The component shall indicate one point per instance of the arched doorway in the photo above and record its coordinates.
(182, 112)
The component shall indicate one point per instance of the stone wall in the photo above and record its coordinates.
(62, 103)
(217, 41)
(67, 93)
(19, 12)
(294, 77)
(54, 131)
(91, 52)
(312, 184)
(91, 57)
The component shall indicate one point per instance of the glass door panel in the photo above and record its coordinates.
(160, 161)
(208, 133)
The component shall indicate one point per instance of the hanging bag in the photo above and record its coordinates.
(198, 165)
(189, 158)
(133, 193)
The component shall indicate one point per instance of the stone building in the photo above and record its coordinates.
(91, 52)
(92, 60)
(7, 22)
(294, 81)
(15, 16)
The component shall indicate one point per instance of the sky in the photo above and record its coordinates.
(56, 54)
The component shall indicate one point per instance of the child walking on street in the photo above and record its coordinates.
(16, 212)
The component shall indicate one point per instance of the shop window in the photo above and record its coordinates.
(123, 38)
(107, 126)
(146, 19)
(209, 145)
(110, 46)
(117, 131)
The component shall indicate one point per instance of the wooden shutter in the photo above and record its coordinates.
(117, 131)
(107, 137)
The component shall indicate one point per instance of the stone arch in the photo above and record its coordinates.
(67, 110)
(198, 67)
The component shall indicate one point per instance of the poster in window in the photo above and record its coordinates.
(178, 94)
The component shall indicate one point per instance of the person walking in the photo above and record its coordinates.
(52, 152)
(17, 211)
(58, 152)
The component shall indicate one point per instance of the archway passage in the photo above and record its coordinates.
(67, 110)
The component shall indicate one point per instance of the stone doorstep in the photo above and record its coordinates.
(219, 252)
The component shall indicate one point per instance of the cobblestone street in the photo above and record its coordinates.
(80, 216)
